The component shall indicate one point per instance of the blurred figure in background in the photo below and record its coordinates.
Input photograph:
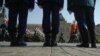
(73, 33)
(61, 39)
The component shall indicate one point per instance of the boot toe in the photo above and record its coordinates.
(46, 45)
(83, 45)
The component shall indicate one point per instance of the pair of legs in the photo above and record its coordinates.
(85, 20)
(14, 12)
(50, 24)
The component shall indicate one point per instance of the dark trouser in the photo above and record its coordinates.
(13, 13)
(51, 20)
(85, 19)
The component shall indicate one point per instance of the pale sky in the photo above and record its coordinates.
(35, 17)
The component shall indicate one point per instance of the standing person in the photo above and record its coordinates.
(51, 20)
(18, 8)
(73, 33)
(84, 14)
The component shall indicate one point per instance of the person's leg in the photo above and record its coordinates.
(91, 26)
(55, 24)
(46, 25)
(80, 17)
(23, 13)
(12, 25)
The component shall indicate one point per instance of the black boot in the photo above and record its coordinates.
(93, 41)
(83, 45)
(93, 45)
(47, 40)
(13, 40)
(53, 44)
(46, 44)
(20, 40)
(53, 40)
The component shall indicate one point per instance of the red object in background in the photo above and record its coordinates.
(74, 27)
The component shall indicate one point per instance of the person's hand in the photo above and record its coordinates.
(70, 12)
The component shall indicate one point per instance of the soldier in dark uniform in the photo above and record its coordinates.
(84, 14)
(18, 8)
(50, 23)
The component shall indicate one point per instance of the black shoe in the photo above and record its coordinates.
(47, 40)
(20, 40)
(13, 40)
(53, 40)
(21, 43)
(46, 45)
(14, 44)
(83, 45)
(93, 46)
(53, 44)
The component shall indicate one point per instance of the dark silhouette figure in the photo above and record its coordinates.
(61, 39)
(84, 14)
(18, 8)
(50, 22)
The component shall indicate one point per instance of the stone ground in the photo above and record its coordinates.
(36, 49)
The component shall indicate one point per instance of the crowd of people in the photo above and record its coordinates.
(83, 11)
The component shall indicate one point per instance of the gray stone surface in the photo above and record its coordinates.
(36, 49)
